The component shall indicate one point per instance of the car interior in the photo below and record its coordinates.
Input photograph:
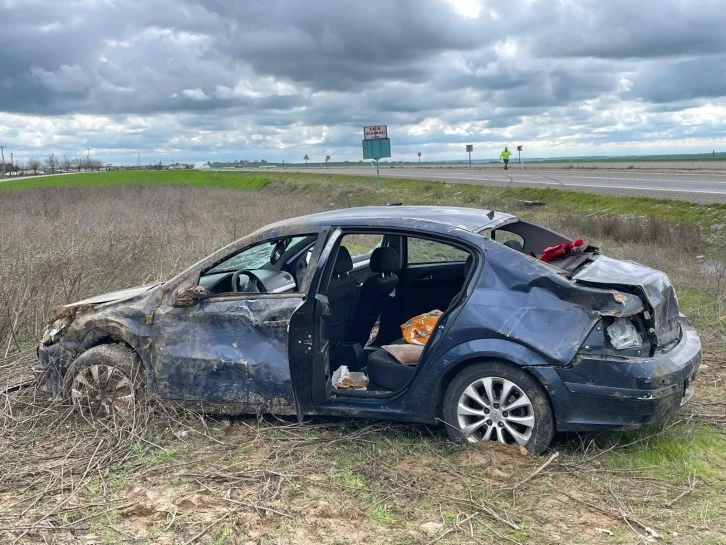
(371, 294)
(377, 282)
(277, 266)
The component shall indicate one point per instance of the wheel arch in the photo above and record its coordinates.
(117, 334)
(505, 352)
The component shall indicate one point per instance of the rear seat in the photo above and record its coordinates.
(384, 370)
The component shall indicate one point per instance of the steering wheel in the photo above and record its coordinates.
(253, 285)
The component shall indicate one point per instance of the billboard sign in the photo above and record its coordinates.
(377, 148)
(375, 131)
(470, 147)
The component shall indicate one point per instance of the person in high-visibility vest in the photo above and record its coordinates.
(505, 157)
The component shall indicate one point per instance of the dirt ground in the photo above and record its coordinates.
(173, 476)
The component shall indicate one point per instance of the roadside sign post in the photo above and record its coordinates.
(327, 158)
(419, 157)
(376, 145)
(469, 149)
(519, 153)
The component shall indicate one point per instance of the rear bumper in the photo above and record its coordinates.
(597, 393)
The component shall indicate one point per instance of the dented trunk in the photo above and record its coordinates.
(654, 286)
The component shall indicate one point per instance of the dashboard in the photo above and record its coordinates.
(249, 281)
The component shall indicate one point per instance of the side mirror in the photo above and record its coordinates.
(188, 295)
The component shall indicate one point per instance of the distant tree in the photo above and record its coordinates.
(34, 165)
(66, 164)
(306, 158)
(52, 163)
(77, 163)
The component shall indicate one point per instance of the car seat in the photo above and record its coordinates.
(385, 371)
(341, 295)
(373, 294)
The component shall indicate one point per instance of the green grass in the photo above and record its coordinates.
(675, 454)
(343, 190)
(382, 515)
(198, 178)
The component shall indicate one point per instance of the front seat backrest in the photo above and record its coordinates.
(341, 295)
(373, 294)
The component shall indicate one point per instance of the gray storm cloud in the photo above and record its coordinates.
(217, 79)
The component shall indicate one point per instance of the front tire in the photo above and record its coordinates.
(498, 402)
(105, 381)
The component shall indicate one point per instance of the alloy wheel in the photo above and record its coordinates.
(103, 390)
(495, 409)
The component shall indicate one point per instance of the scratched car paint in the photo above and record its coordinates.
(523, 349)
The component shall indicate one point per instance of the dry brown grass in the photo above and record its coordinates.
(62, 244)
(172, 476)
(645, 229)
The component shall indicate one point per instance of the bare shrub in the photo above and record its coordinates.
(649, 229)
(60, 245)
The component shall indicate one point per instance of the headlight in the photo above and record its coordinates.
(623, 334)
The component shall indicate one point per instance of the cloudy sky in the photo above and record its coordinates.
(201, 80)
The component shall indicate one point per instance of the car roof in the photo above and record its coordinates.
(433, 217)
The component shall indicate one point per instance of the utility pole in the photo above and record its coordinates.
(12, 164)
(2, 153)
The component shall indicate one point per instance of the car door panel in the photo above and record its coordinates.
(309, 347)
(231, 349)
(426, 286)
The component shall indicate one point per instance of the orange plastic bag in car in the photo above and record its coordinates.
(419, 328)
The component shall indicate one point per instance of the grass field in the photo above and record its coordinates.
(177, 477)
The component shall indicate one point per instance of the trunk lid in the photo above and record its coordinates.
(653, 285)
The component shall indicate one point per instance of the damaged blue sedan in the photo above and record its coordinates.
(534, 333)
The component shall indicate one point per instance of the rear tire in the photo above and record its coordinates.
(498, 402)
(106, 381)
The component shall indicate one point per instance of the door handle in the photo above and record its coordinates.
(276, 323)
(427, 278)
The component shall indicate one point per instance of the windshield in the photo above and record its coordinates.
(260, 256)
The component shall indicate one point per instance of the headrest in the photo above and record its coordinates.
(343, 261)
(384, 260)
(514, 245)
(468, 264)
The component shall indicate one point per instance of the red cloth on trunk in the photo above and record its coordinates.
(561, 250)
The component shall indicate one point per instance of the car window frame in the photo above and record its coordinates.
(440, 240)
(303, 284)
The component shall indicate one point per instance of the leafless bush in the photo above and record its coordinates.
(59, 245)
(648, 229)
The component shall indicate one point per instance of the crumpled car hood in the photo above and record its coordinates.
(120, 295)
(654, 284)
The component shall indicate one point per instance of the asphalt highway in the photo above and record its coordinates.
(701, 186)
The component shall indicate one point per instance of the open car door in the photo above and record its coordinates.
(309, 347)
